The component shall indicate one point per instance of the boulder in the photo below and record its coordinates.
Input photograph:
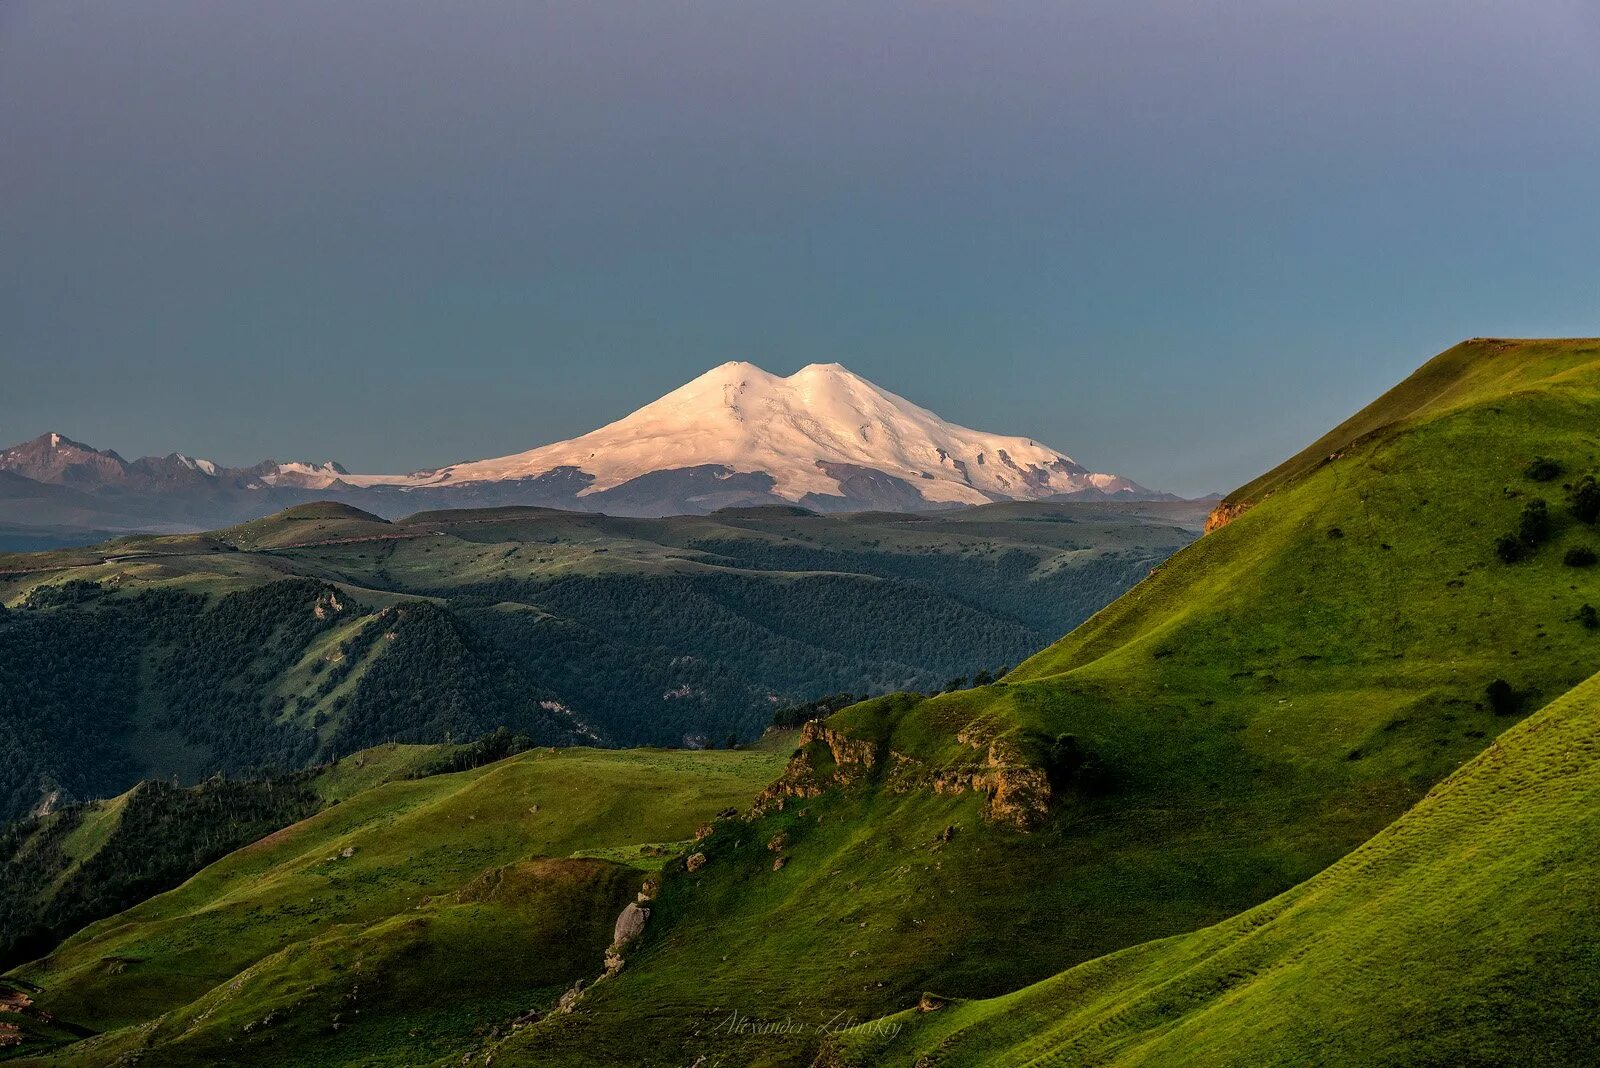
(630, 924)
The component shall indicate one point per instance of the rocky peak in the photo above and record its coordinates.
(57, 459)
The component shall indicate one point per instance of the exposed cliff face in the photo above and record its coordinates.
(826, 758)
(1224, 513)
(1017, 790)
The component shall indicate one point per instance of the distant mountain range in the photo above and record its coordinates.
(823, 438)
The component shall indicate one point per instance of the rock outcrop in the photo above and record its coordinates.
(327, 605)
(1018, 790)
(1224, 513)
(825, 759)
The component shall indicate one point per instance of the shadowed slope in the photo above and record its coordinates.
(399, 924)
(1465, 933)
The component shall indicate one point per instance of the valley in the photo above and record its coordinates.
(323, 630)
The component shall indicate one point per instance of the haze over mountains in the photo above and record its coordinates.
(823, 438)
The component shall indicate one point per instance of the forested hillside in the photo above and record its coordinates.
(324, 630)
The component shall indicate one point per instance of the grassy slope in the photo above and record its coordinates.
(1464, 933)
(1271, 698)
(1468, 373)
(466, 901)
(318, 522)
(81, 863)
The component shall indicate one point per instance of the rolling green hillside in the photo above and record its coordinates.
(1271, 698)
(404, 923)
(323, 630)
(64, 869)
(1464, 933)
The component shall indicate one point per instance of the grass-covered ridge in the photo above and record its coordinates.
(1464, 933)
(1269, 699)
(1471, 372)
(402, 924)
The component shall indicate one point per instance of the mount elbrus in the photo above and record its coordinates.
(823, 438)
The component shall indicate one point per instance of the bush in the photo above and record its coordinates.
(1071, 766)
(73, 591)
(1502, 698)
(1585, 499)
(1542, 469)
(1589, 617)
(792, 716)
(1581, 556)
(1510, 549)
(1535, 527)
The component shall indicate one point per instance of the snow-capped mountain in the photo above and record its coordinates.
(300, 473)
(823, 437)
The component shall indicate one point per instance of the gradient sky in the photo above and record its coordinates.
(1176, 239)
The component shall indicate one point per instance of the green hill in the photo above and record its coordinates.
(321, 521)
(405, 922)
(1269, 699)
(78, 863)
(1464, 933)
(1472, 372)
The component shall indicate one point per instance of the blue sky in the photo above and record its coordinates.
(1174, 239)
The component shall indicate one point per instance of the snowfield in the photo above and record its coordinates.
(808, 432)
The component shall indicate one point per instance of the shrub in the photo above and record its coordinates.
(1510, 548)
(1585, 499)
(792, 716)
(1581, 556)
(73, 591)
(1535, 527)
(1502, 698)
(1542, 469)
(1589, 617)
(1069, 765)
